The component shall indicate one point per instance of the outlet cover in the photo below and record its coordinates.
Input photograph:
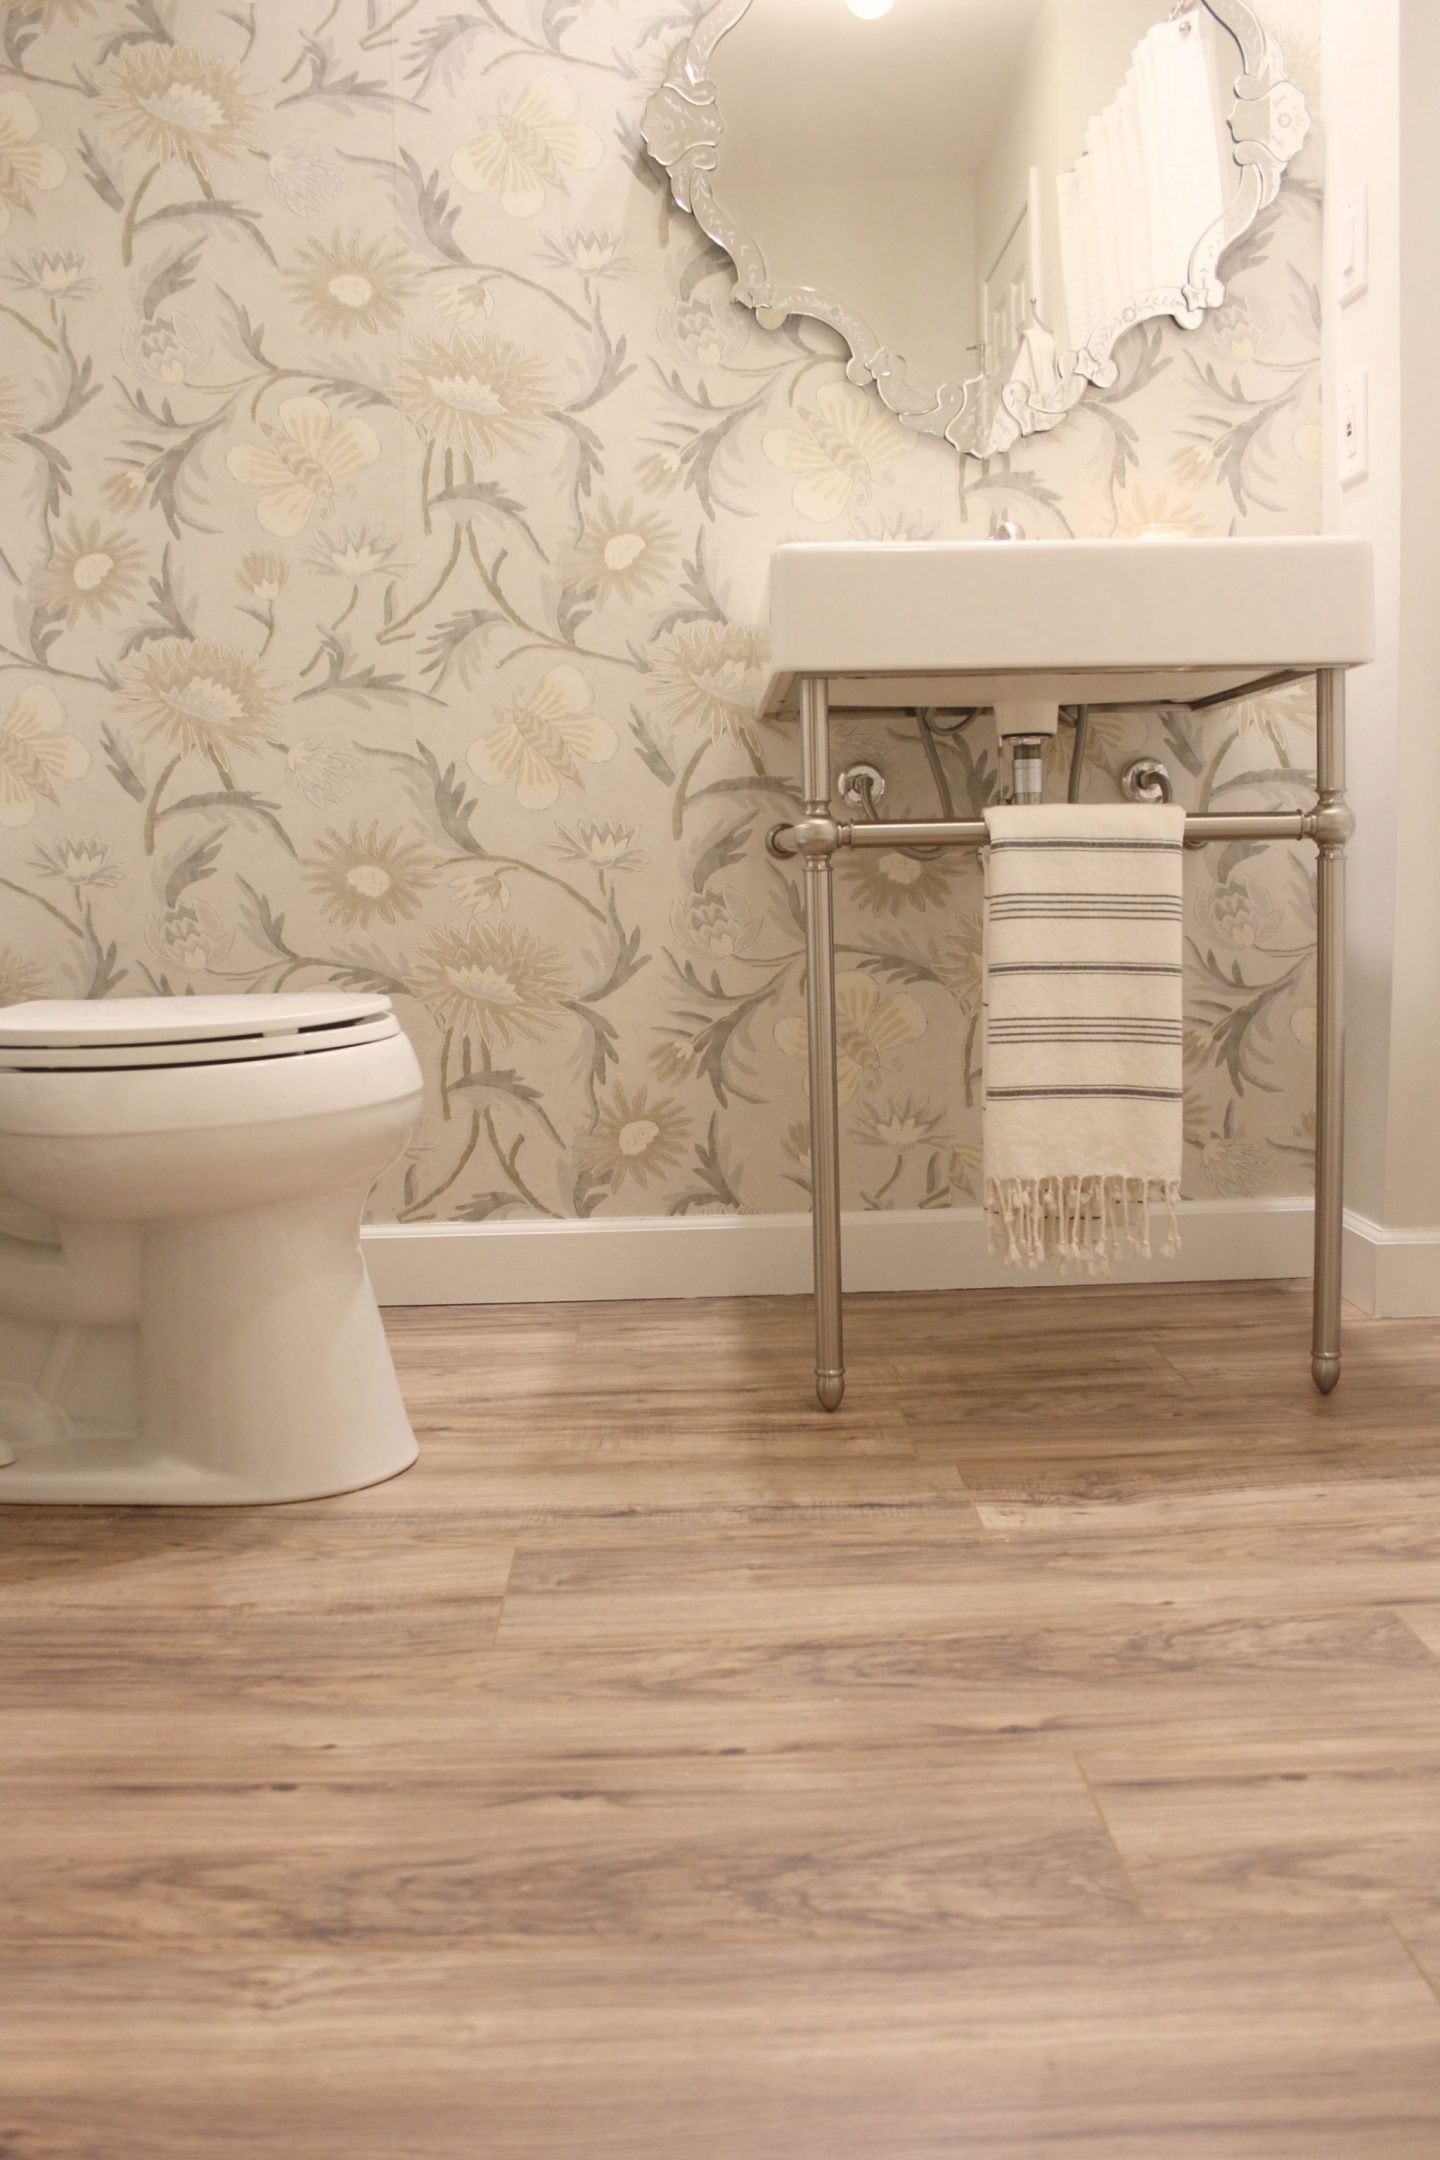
(1355, 431)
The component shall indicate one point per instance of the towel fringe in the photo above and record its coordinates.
(1081, 1222)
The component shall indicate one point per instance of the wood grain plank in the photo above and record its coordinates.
(1142, 1678)
(1418, 1927)
(1331, 1826)
(768, 1580)
(724, 1848)
(1181, 2044)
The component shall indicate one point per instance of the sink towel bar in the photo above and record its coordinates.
(817, 835)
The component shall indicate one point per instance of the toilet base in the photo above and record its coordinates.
(93, 1470)
(263, 1375)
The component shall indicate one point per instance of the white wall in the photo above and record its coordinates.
(1380, 60)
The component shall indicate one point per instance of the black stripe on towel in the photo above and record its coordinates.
(1016, 1094)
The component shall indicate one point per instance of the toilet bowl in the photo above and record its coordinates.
(185, 1316)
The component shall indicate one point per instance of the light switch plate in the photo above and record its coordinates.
(1353, 243)
(1355, 431)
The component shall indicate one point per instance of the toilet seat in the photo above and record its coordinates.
(139, 1034)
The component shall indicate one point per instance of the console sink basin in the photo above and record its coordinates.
(1086, 621)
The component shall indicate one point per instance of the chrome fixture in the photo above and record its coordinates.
(817, 836)
(1146, 779)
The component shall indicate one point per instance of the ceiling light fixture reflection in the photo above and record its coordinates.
(869, 10)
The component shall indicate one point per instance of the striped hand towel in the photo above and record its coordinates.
(1083, 1037)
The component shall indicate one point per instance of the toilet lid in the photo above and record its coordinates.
(67, 1035)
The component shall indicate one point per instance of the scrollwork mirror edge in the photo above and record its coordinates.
(682, 128)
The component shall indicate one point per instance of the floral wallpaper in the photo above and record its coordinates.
(390, 484)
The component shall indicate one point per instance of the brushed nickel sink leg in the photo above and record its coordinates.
(1334, 824)
(820, 1015)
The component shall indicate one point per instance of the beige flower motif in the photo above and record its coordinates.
(675, 1058)
(711, 675)
(352, 551)
(635, 1137)
(362, 878)
(349, 287)
(795, 1141)
(895, 1125)
(528, 147)
(190, 936)
(536, 747)
(1236, 1169)
(298, 464)
(55, 273)
(263, 575)
(197, 696)
(179, 105)
(49, 11)
(492, 984)
(302, 178)
(870, 1025)
(605, 847)
(25, 162)
(479, 890)
(20, 979)
(837, 451)
(1274, 714)
(126, 488)
(477, 394)
(321, 771)
(91, 572)
(1159, 517)
(36, 751)
(12, 414)
(464, 297)
(964, 1168)
(960, 961)
(884, 881)
(1239, 911)
(711, 332)
(622, 553)
(166, 348)
(661, 472)
(718, 922)
(78, 862)
(1245, 327)
(595, 254)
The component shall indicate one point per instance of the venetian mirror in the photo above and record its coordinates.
(982, 196)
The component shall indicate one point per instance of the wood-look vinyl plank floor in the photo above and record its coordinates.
(1215, 2042)
(1041, 1756)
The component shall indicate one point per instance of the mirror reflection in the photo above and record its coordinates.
(982, 195)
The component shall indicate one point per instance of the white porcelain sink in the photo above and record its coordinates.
(1083, 620)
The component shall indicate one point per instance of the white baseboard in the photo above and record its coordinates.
(457, 1263)
(1394, 1274)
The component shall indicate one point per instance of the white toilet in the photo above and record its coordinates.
(185, 1316)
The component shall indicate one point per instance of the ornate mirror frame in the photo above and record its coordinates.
(683, 127)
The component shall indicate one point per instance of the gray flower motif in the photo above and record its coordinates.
(717, 922)
(592, 251)
(53, 273)
(710, 332)
(190, 937)
(1239, 911)
(605, 847)
(898, 1126)
(77, 862)
(165, 349)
